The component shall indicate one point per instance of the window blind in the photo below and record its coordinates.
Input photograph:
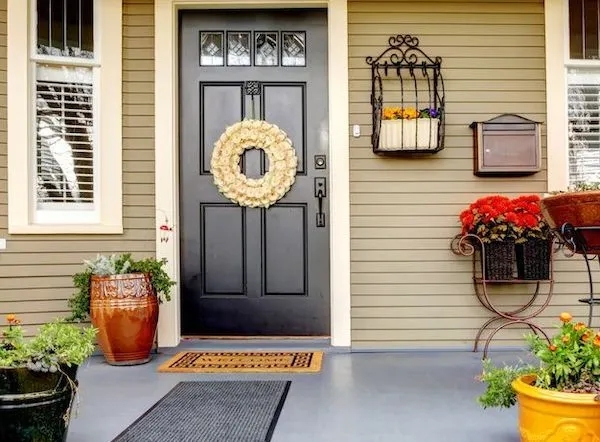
(584, 125)
(65, 137)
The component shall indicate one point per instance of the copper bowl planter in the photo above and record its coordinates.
(581, 209)
(124, 308)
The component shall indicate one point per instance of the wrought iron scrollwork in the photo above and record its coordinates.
(410, 79)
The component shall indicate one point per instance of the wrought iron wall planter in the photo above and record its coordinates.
(408, 85)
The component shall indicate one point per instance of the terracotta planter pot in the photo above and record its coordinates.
(546, 415)
(581, 209)
(124, 308)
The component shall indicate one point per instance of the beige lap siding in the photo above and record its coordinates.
(36, 270)
(408, 289)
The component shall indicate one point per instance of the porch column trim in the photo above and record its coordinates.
(556, 13)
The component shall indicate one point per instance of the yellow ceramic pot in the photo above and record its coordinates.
(551, 416)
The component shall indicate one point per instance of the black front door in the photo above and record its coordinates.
(253, 271)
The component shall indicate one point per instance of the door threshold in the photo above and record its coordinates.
(251, 338)
(257, 343)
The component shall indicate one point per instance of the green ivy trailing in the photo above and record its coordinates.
(580, 187)
(117, 265)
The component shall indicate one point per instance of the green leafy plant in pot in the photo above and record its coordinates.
(559, 397)
(121, 296)
(38, 378)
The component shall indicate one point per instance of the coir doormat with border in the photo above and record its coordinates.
(244, 362)
(212, 411)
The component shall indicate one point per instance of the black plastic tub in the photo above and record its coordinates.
(34, 406)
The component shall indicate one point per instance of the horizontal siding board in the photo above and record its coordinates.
(89, 248)
(450, 20)
(385, 196)
(402, 175)
(438, 30)
(530, 185)
(35, 295)
(408, 346)
(36, 271)
(458, 294)
(35, 281)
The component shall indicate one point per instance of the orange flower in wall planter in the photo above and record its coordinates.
(408, 128)
(557, 398)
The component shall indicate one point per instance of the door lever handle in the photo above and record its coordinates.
(320, 194)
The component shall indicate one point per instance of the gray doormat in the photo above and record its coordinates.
(220, 411)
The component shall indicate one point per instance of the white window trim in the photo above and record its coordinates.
(108, 96)
(557, 141)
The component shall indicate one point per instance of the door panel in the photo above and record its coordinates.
(285, 250)
(285, 106)
(222, 103)
(253, 271)
(223, 249)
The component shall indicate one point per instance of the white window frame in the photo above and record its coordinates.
(23, 215)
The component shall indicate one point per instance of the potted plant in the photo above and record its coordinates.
(409, 128)
(121, 296)
(38, 379)
(533, 246)
(492, 220)
(579, 206)
(559, 397)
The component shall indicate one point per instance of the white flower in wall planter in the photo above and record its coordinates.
(407, 128)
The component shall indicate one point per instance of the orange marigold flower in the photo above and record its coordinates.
(597, 342)
(552, 347)
(566, 317)
(586, 337)
(565, 339)
(579, 326)
(12, 319)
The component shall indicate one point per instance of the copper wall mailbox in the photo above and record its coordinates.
(506, 145)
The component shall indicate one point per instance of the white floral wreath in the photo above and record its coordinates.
(225, 163)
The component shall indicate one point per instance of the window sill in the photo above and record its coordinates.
(79, 229)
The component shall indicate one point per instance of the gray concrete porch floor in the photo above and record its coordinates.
(357, 397)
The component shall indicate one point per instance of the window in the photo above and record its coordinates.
(68, 180)
(64, 105)
(583, 92)
(246, 48)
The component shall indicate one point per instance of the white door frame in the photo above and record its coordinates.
(167, 162)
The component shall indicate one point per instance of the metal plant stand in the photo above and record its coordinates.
(471, 245)
(574, 241)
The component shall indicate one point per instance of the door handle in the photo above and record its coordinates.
(320, 194)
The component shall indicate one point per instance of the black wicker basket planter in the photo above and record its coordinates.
(499, 260)
(533, 259)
